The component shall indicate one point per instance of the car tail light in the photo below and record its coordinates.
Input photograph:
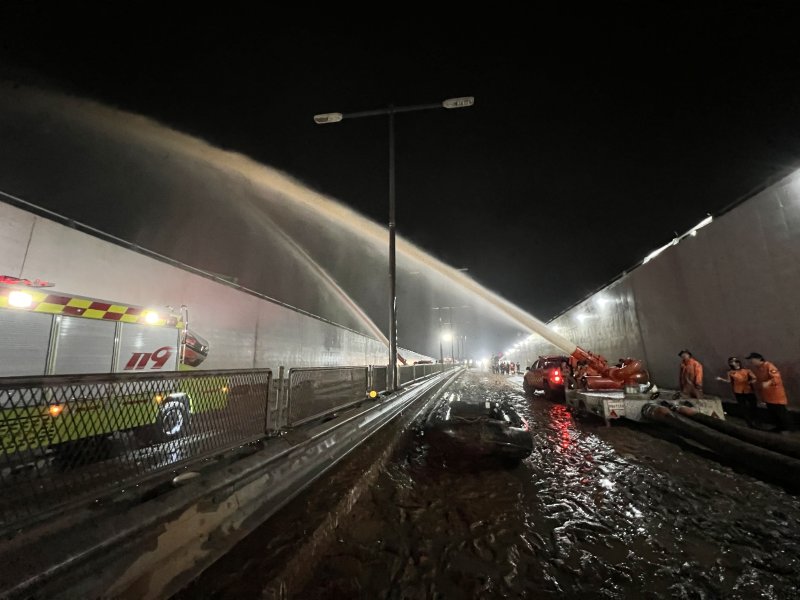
(555, 376)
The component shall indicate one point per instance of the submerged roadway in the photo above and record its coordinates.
(627, 511)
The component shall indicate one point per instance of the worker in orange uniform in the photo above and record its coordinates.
(691, 375)
(769, 387)
(742, 381)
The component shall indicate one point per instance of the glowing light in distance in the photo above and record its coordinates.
(19, 299)
(55, 409)
(603, 300)
(151, 317)
(446, 337)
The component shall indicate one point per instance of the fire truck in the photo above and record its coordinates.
(46, 332)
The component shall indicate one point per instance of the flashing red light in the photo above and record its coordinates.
(555, 377)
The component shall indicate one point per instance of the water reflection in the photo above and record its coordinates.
(594, 512)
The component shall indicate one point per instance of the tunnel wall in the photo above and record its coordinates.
(243, 329)
(730, 289)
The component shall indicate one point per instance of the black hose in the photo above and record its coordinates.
(754, 436)
(774, 465)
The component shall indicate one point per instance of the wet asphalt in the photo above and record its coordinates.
(626, 511)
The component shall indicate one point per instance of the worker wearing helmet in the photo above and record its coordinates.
(690, 376)
(769, 387)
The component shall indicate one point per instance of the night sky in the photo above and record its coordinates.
(595, 136)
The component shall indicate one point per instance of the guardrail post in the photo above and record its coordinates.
(281, 390)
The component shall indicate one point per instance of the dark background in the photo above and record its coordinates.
(596, 135)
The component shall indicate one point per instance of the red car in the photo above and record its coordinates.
(546, 375)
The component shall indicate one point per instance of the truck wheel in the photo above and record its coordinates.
(527, 389)
(173, 420)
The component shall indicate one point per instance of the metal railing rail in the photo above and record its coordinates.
(66, 439)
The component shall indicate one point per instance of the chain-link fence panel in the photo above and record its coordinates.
(67, 438)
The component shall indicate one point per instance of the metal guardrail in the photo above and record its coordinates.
(379, 381)
(67, 438)
(318, 391)
(405, 374)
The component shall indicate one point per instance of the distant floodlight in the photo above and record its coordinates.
(700, 225)
(603, 300)
(446, 337)
(581, 317)
(462, 102)
(658, 251)
(328, 118)
(151, 317)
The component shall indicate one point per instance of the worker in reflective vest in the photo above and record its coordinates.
(742, 381)
(691, 375)
(769, 387)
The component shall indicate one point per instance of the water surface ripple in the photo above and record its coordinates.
(594, 512)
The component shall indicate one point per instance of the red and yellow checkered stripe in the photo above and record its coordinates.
(76, 306)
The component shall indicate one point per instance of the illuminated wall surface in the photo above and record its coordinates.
(730, 289)
(243, 330)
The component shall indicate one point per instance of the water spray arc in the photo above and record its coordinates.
(327, 118)
(325, 277)
(273, 189)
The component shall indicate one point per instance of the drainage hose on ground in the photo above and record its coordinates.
(764, 439)
(774, 465)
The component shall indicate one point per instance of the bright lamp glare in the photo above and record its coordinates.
(604, 300)
(323, 119)
(151, 317)
(446, 337)
(19, 299)
(462, 102)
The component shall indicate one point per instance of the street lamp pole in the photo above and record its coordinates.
(327, 118)
(441, 351)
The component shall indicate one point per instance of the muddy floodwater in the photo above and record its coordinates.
(594, 512)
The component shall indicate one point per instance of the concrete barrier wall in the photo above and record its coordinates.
(730, 289)
(243, 329)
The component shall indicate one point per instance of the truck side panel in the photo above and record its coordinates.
(83, 346)
(144, 348)
(25, 340)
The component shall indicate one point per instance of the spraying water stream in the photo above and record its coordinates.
(136, 161)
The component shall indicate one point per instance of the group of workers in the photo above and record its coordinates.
(761, 381)
(505, 368)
